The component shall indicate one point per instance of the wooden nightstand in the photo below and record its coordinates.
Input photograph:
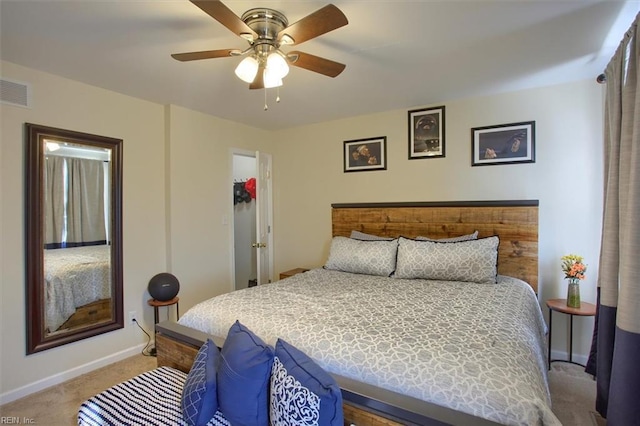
(560, 305)
(292, 272)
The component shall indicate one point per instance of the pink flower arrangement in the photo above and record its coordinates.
(573, 267)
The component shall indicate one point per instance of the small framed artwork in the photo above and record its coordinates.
(426, 133)
(503, 144)
(365, 154)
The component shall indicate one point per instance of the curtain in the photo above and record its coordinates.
(617, 340)
(85, 205)
(54, 189)
(74, 193)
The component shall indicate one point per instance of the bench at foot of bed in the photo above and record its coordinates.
(152, 398)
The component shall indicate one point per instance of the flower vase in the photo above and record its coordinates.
(573, 293)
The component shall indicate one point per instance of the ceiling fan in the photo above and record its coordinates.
(267, 30)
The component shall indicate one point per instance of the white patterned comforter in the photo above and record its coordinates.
(74, 277)
(476, 348)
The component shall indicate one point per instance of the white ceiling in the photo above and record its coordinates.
(399, 54)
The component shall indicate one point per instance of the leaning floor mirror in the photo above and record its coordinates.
(73, 216)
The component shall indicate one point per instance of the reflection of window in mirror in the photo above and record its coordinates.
(74, 236)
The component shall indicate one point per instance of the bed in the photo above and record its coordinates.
(74, 277)
(405, 350)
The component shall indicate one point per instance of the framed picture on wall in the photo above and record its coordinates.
(503, 144)
(365, 154)
(426, 133)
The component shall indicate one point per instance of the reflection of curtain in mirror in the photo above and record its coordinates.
(85, 205)
(74, 200)
(54, 189)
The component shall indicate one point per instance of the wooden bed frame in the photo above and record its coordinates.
(515, 222)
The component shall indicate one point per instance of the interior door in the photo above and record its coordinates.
(264, 215)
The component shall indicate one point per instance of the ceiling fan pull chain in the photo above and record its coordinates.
(266, 107)
(278, 95)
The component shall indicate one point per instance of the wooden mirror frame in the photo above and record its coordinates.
(37, 340)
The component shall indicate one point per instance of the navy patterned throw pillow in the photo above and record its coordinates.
(199, 395)
(302, 393)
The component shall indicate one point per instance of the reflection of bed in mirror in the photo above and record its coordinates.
(76, 277)
(406, 350)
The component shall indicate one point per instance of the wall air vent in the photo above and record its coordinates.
(15, 93)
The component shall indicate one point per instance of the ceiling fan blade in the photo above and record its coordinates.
(258, 82)
(319, 22)
(315, 63)
(207, 54)
(221, 13)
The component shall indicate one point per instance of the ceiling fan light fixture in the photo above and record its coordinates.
(277, 65)
(247, 69)
(247, 36)
(271, 79)
(286, 39)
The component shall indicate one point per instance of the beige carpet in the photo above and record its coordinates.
(58, 405)
(572, 393)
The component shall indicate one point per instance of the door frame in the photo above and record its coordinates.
(231, 222)
(264, 209)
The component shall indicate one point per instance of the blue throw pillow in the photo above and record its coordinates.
(199, 395)
(302, 393)
(243, 378)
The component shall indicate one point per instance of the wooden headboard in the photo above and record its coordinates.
(515, 222)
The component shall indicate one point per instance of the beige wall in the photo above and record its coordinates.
(66, 104)
(176, 208)
(177, 195)
(201, 239)
(566, 178)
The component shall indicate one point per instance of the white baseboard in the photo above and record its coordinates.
(56, 379)
(564, 356)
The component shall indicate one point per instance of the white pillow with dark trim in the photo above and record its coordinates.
(469, 261)
(357, 235)
(362, 257)
(466, 237)
(370, 237)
